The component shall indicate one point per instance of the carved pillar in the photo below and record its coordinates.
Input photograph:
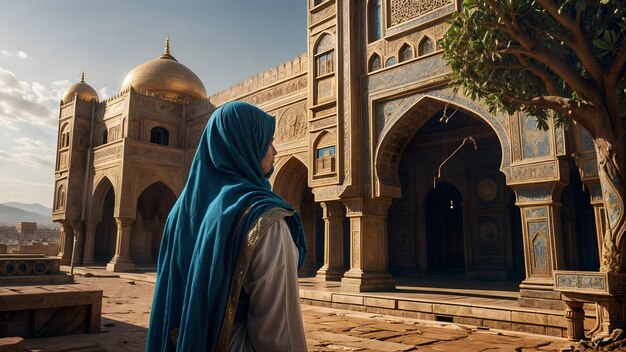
(595, 191)
(121, 260)
(611, 313)
(66, 242)
(333, 215)
(575, 316)
(90, 239)
(368, 249)
(543, 245)
(77, 253)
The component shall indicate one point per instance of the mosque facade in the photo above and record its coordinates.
(394, 173)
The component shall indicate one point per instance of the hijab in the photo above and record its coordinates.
(205, 229)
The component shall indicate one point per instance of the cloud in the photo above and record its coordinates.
(104, 93)
(30, 159)
(28, 102)
(16, 53)
(26, 143)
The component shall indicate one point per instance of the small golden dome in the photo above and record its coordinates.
(165, 76)
(84, 91)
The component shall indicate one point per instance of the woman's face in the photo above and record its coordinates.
(268, 159)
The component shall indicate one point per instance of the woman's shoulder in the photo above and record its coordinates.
(273, 215)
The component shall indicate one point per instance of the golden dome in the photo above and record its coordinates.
(84, 91)
(165, 76)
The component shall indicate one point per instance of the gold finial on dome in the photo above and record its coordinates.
(82, 76)
(166, 53)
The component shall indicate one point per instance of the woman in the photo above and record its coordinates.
(227, 272)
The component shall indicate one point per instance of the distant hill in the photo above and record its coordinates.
(11, 215)
(33, 208)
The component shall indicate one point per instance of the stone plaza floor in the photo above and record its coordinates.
(126, 311)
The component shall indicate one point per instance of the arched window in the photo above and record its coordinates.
(390, 61)
(406, 52)
(324, 67)
(60, 203)
(160, 135)
(105, 137)
(375, 63)
(374, 20)
(64, 139)
(426, 46)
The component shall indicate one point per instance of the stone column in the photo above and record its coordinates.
(90, 239)
(543, 246)
(575, 316)
(66, 242)
(368, 246)
(77, 243)
(333, 215)
(121, 260)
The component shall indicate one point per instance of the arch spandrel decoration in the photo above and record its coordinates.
(395, 126)
(292, 125)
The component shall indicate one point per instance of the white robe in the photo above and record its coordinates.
(274, 320)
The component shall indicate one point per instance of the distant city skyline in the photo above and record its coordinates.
(45, 45)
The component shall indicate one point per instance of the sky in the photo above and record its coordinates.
(44, 46)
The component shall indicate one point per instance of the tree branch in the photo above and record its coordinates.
(582, 50)
(615, 72)
(542, 74)
(584, 88)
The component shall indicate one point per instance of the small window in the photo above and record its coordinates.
(374, 21)
(325, 160)
(406, 53)
(160, 135)
(105, 137)
(426, 46)
(325, 64)
(317, 2)
(390, 61)
(375, 63)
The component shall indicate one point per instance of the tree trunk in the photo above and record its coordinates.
(610, 155)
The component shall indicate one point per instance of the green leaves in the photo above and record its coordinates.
(492, 49)
(607, 45)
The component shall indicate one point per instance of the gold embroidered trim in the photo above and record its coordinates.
(260, 228)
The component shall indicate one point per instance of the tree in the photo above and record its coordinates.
(561, 59)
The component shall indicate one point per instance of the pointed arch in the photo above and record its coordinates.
(406, 52)
(426, 46)
(375, 62)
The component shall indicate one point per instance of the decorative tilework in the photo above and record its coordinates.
(586, 142)
(540, 250)
(536, 142)
(533, 194)
(580, 281)
(536, 212)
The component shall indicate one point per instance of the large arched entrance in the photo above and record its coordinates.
(106, 230)
(153, 206)
(291, 184)
(444, 229)
(452, 217)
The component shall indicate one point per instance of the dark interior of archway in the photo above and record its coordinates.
(481, 240)
(518, 270)
(106, 231)
(578, 225)
(153, 206)
(444, 229)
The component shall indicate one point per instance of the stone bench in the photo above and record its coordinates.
(19, 269)
(49, 310)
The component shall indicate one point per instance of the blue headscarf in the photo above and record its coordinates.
(203, 237)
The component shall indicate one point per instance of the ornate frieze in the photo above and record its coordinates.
(580, 281)
(325, 122)
(411, 73)
(283, 89)
(150, 152)
(534, 194)
(536, 212)
(115, 108)
(67, 111)
(105, 153)
(546, 170)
